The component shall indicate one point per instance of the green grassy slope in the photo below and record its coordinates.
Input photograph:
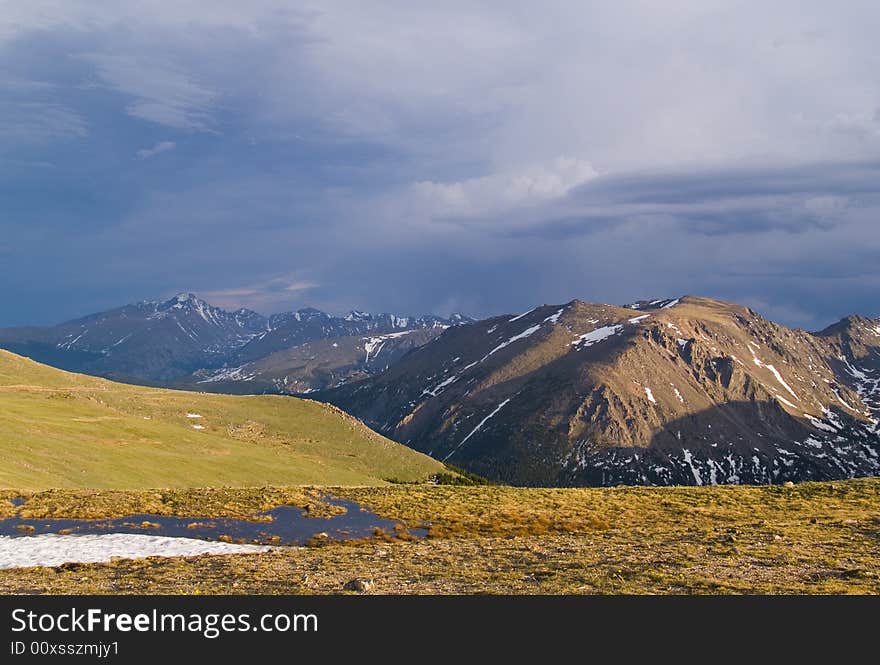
(59, 429)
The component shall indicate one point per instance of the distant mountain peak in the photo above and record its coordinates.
(181, 301)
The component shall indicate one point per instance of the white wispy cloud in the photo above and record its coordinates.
(39, 122)
(162, 92)
(268, 296)
(160, 147)
(501, 191)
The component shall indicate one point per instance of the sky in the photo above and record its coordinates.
(437, 157)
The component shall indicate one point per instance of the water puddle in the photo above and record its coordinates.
(285, 525)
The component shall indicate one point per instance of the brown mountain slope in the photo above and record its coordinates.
(320, 363)
(691, 391)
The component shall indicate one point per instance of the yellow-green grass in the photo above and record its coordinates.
(64, 430)
(451, 512)
(810, 538)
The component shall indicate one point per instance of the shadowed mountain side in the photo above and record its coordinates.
(728, 445)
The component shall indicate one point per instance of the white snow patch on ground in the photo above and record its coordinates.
(677, 393)
(818, 424)
(832, 418)
(477, 428)
(682, 342)
(517, 318)
(185, 331)
(650, 394)
(198, 427)
(782, 381)
(373, 345)
(671, 304)
(856, 373)
(525, 333)
(440, 386)
(775, 373)
(231, 374)
(690, 462)
(53, 550)
(193, 415)
(842, 401)
(596, 336)
(784, 401)
(120, 341)
(553, 318)
(637, 319)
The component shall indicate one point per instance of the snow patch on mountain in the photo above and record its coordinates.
(239, 373)
(553, 318)
(477, 428)
(525, 333)
(596, 336)
(373, 345)
(775, 373)
(519, 316)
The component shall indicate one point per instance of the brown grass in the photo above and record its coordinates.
(811, 538)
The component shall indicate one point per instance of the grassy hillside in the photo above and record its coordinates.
(59, 429)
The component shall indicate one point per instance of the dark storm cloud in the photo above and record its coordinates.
(714, 184)
(482, 158)
(791, 200)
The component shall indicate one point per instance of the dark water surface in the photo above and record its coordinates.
(289, 525)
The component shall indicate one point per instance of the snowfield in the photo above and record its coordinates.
(54, 550)
(596, 336)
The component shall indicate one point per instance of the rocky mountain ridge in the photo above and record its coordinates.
(186, 342)
(683, 391)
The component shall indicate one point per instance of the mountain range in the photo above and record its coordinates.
(184, 342)
(684, 391)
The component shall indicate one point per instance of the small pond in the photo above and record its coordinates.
(285, 525)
